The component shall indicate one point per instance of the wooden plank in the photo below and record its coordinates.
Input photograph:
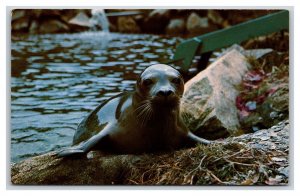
(244, 31)
(264, 25)
(126, 13)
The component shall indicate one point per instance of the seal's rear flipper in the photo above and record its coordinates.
(71, 152)
(197, 139)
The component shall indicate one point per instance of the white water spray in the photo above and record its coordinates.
(99, 20)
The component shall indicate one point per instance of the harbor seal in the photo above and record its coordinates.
(146, 120)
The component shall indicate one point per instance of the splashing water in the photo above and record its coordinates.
(99, 19)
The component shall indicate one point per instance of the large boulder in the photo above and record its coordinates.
(209, 102)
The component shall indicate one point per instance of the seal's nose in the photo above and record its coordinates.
(164, 93)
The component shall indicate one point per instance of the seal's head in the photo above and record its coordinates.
(161, 84)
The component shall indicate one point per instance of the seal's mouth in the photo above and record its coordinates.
(170, 101)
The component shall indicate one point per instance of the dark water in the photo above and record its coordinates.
(57, 79)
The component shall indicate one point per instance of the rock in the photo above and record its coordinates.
(127, 24)
(257, 53)
(53, 26)
(48, 20)
(254, 53)
(80, 22)
(156, 21)
(21, 24)
(215, 17)
(198, 25)
(17, 14)
(67, 14)
(159, 14)
(47, 14)
(36, 13)
(194, 21)
(48, 169)
(175, 27)
(100, 169)
(81, 19)
(34, 26)
(208, 104)
(278, 138)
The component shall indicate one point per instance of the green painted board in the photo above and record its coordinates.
(211, 41)
(187, 50)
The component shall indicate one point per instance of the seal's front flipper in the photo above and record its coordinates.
(197, 139)
(84, 147)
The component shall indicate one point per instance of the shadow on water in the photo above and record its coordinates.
(57, 79)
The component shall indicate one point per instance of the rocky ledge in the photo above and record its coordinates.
(259, 158)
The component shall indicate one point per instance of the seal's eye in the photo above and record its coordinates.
(176, 81)
(147, 82)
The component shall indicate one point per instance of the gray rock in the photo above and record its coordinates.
(255, 53)
(17, 14)
(277, 138)
(156, 21)
(198, 25)
(53, 26)
(81, 19)
(208, 104)
(176, 26)
(49, 170)
(215, 17)
(34, 26)
(21, 24)
(126, 24)
(158, 14)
